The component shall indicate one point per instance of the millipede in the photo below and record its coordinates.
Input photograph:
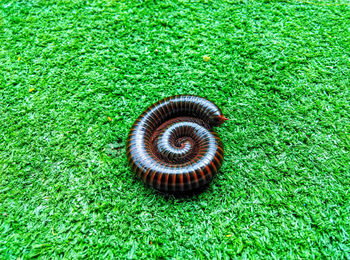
(172, 146)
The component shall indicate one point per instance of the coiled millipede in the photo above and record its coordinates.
(172, 146)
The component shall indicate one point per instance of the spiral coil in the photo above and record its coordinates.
(172, 146)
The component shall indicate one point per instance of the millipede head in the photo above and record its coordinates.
(218, 120)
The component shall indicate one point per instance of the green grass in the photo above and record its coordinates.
(279, 70)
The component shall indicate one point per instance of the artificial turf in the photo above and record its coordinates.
(76, 74)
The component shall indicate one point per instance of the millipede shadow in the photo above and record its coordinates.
(185, 194)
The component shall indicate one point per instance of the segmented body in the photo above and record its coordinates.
(172, 146)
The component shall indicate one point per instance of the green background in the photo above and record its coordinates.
(278, 69)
